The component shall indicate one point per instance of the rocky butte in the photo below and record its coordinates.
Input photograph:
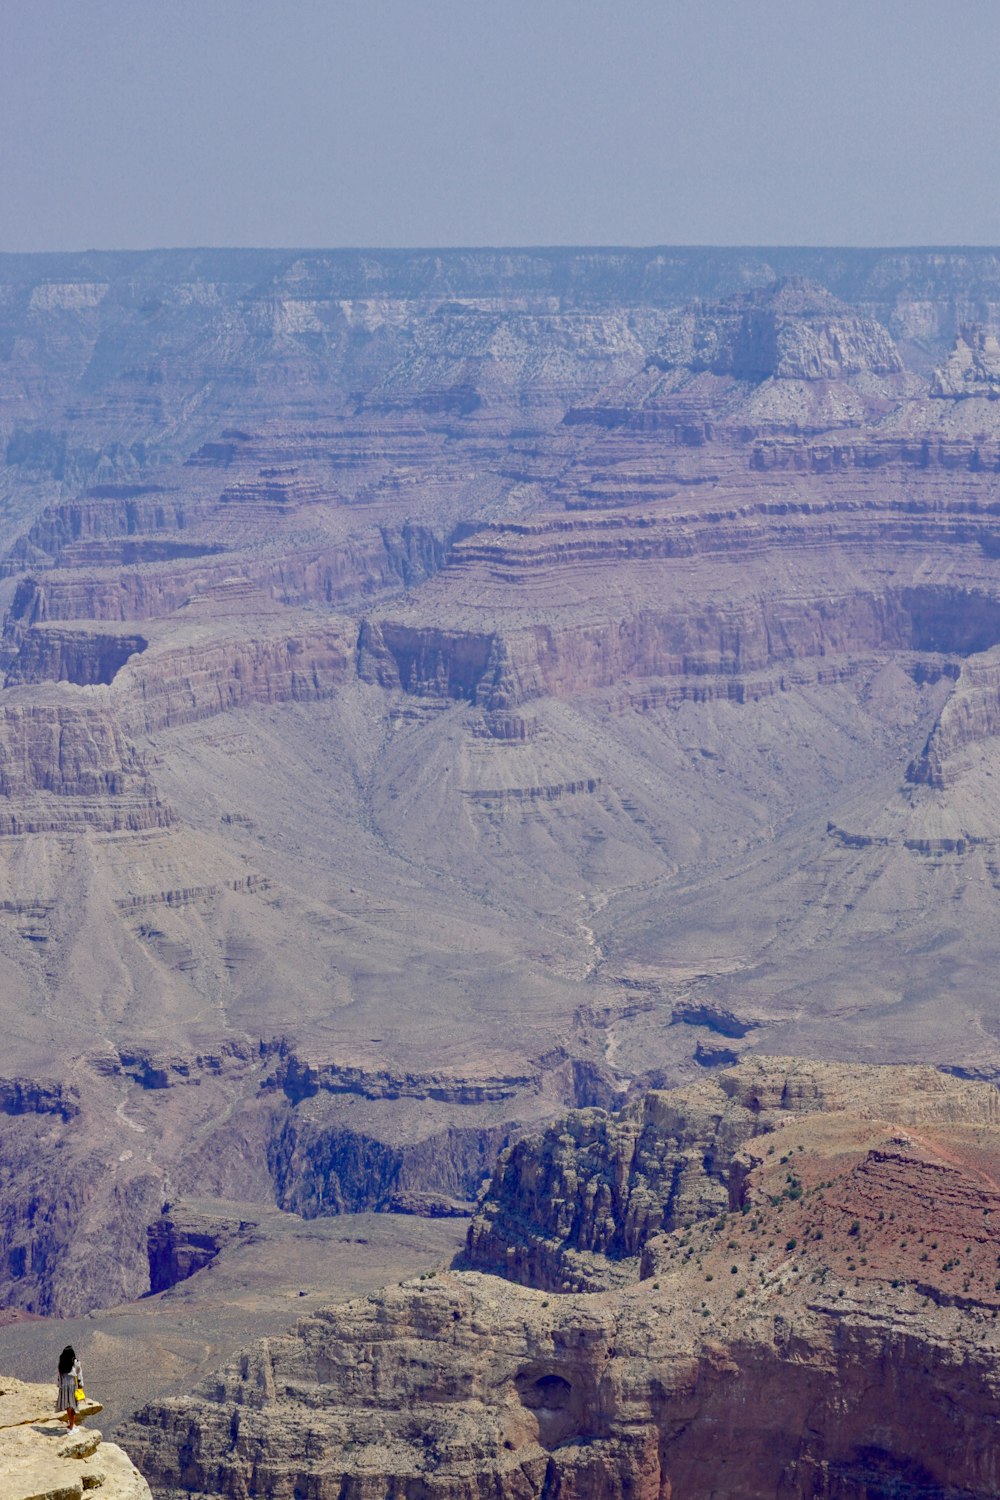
(438, 690)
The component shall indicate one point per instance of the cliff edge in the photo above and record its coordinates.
(41, 1460)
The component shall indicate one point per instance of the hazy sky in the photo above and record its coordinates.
(134, 123)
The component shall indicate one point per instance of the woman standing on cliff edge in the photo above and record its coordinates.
(70, 1381)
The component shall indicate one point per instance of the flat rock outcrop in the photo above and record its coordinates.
(40, 1459)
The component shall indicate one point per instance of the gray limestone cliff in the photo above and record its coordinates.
(794, 330)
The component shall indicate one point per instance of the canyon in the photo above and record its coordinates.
(444, 689)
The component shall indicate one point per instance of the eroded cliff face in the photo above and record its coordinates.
(574, 1209)
(831, 1333)
(580, 1207)
(972, 367)
(87, 1165)
(794, 330)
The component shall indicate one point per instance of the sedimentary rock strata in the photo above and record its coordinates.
(574, 1210)
(793, 330)
(972, 367)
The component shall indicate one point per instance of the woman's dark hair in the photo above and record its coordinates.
(67, 1360)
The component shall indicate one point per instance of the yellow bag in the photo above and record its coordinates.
(81, 1394)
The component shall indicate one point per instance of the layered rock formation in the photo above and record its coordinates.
(830, 1330)
(972, 367)
(794, 330)
(575, 1209)
(234, 1126)
(184, 1240)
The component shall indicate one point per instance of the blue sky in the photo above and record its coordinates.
(140, 123)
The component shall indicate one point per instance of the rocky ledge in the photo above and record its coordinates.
(41, 1460)
(829, 1328)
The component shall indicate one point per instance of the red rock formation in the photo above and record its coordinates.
(201, 671)
(61, 654)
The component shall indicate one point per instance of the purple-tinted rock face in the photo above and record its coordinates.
(794, 330)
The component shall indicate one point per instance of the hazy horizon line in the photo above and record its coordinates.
(535, 248)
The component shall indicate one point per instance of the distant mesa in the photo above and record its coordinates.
(793, 330)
